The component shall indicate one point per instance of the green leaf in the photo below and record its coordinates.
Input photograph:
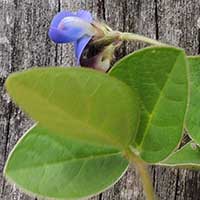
(79, 103)
(46, 164)
(187, 157)
(193, 114)
(159, 75)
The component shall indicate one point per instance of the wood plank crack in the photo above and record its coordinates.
(156, 20)
(6, 141)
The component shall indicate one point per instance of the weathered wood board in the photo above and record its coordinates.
(24, 43)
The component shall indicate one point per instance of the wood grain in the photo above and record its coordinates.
(24, 43)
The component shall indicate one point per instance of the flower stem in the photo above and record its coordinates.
(115, 36)
(142, 168)
(132, 36)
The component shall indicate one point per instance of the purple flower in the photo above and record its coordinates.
(73, 27)
(94, 42)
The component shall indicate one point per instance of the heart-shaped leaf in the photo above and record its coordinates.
(79, 103)
(159, 75)
(193, 114)
(186, 157)
(46, 164)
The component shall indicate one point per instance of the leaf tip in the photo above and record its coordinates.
(10, 82)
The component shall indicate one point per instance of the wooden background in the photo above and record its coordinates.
(24, 43)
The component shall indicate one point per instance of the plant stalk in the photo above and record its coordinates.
(132, 36)
(142, 168)
(116, 36)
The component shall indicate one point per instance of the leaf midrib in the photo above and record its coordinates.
(151, 115)
(86, 158)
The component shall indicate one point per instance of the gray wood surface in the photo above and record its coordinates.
(24, 43)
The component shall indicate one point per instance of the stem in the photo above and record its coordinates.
(115, 36)
(142, 168)
(132, 36)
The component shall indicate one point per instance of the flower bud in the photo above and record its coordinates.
(99, 59)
